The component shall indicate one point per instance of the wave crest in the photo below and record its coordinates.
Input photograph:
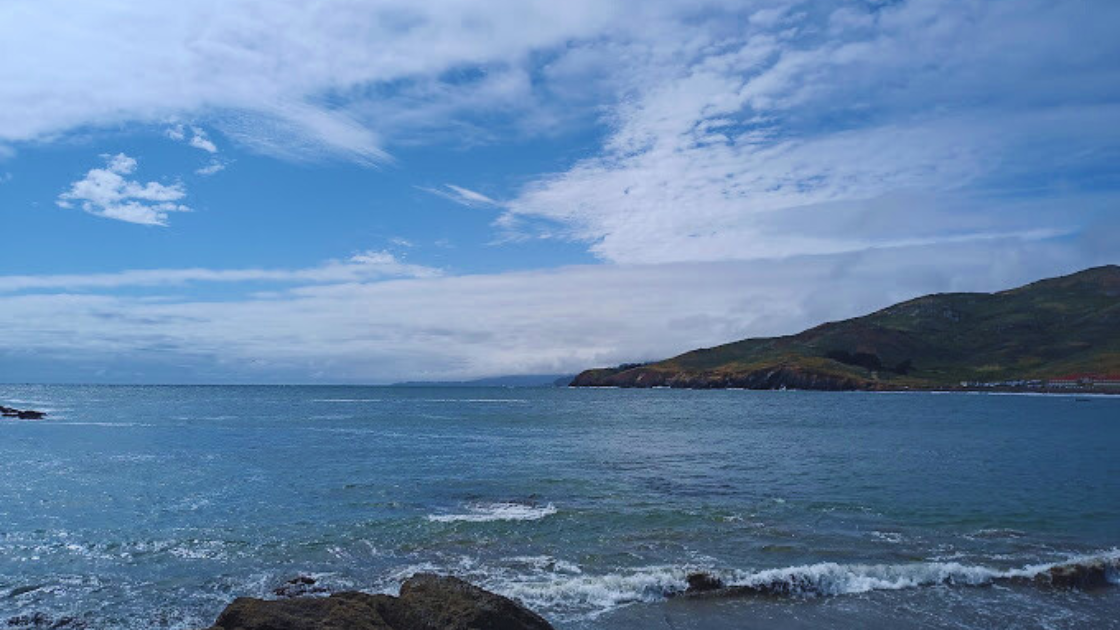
(581, 594)
(489, 512)
(831, 579)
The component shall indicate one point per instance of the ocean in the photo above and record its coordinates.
(153, 507)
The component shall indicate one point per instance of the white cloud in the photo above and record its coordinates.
(528, 322)
(282, 76)
(105, 192)
(461, 196)
(362, 266)
(199, 140)
(214, 166)
(721, 133)
(720, 87)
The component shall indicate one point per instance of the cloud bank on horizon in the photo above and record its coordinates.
(726, 169)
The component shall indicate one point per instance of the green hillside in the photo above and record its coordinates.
(1044, 330)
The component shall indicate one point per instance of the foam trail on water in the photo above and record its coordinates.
(488, 512)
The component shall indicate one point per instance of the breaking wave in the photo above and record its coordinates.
(489, 512)
(580, 594)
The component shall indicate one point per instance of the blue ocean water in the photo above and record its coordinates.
(153, 507)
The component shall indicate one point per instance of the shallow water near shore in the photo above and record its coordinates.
(152, 507)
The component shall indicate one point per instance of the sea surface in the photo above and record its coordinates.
(153, 507)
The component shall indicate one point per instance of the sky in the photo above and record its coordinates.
(251, 191)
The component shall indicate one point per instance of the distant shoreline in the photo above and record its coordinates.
(887, 390)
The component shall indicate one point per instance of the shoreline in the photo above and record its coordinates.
(1107, 392)
(429, 601)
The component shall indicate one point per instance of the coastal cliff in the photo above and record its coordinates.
(1056, 334)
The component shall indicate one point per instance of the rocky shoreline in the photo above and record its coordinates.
(776, 377)
(434, 602)
(790, 378)
(1083, 576)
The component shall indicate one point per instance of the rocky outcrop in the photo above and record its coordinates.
(426, 602)
(702, 583)
(300, 586)
(1084, 575)
(773, 377)
(22, 414)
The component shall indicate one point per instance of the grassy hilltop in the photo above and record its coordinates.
(1044, 330)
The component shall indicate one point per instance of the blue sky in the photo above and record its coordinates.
(368, 192)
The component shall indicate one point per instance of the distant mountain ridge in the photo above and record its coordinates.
(1045, 334)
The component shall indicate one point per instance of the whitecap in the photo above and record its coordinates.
(889, 537)
(489, 512)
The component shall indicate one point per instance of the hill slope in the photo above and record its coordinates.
(1044, 330)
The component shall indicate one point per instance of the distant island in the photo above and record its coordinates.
(1059, 334)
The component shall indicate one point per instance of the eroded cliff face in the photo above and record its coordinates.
(774, 377)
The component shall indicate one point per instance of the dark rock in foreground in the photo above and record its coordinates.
(426, 602)
(22, 414)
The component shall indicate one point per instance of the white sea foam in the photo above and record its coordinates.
(116, 425)
(580, 594)
(476, 400)
(888, 537)
(830, 578)
(435, 400)
(488, 512)
(547, 563)
(595, 594)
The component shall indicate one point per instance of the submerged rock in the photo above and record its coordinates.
(426, 602)
(38, 620)
(1087, 575)
(299, 586)
(702, 583)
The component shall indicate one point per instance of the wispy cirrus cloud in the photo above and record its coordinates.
(460, 195)
(107, 192)
(282, 77)
(734, 145)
